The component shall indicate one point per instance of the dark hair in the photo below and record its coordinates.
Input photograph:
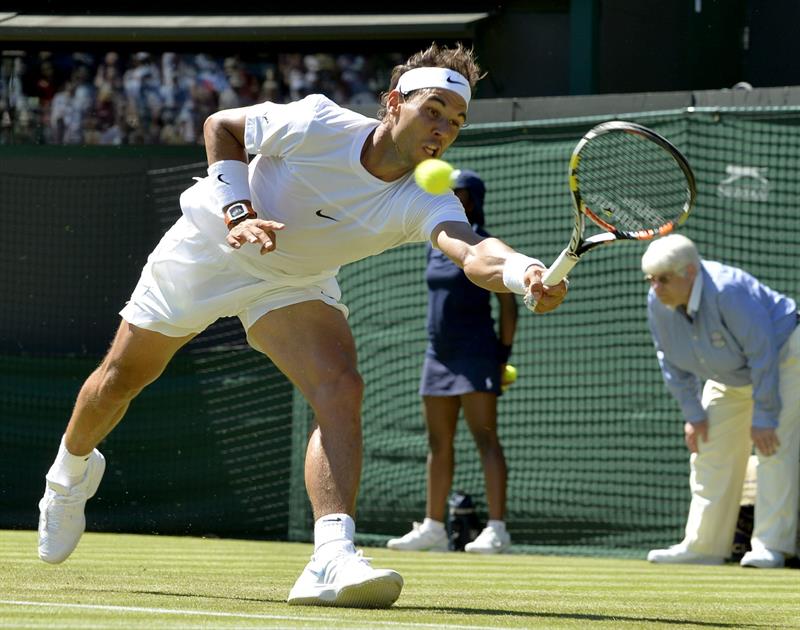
(460, 59)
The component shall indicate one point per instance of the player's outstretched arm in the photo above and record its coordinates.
(493, 265)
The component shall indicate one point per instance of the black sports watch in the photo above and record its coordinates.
(236, 213)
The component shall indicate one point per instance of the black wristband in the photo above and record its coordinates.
(503, 352)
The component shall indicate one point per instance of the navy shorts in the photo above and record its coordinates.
(459, 375)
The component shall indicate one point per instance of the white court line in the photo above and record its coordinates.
(210, 613)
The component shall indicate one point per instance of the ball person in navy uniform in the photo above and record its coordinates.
(463, 370)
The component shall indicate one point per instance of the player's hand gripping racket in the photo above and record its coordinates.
(628, 180)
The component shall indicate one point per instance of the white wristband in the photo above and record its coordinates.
(229, 179)
(514, 272)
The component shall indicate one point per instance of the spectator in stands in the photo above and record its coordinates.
(463, 369)
(108, 73)
(342, 186)
(270, 87)
(718, 324)
(152, 84)
(65, 120)
(45, 88)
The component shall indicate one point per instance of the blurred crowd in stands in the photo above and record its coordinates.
(164, 97)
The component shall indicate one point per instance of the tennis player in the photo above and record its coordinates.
(264, 241)
(729, 351)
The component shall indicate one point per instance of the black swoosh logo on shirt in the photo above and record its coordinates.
(449, 80)
(319, 213)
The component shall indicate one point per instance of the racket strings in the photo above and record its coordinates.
(631, 182)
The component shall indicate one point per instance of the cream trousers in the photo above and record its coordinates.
(718, 468)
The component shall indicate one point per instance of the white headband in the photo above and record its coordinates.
(430, 77)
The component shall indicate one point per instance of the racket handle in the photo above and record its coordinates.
(560, 268)
(556, 273)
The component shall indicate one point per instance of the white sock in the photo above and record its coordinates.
(430, 524)
(498, 526)
(333, 535)
(68, 469)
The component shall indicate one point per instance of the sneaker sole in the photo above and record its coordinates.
(753, 564)
(487, 552)
(379, 592)
(434, 549)
(700, 561)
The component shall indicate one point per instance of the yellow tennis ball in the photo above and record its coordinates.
(511, 373)
(434, 176)
(509, 376)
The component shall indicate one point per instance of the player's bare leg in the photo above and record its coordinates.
(312, 344)
(136, 358)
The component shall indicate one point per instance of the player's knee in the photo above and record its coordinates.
(122, 382)
(343, 390)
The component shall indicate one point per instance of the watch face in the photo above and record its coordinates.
(237, 211)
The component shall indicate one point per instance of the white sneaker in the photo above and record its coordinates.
(763, 559)
(347, 580)
(61, 518)
(489, 541)
(679, 554)
(421, 540)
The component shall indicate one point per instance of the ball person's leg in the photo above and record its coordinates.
(441, 417)
(480, 412)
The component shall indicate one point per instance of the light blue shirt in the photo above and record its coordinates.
(731, 332)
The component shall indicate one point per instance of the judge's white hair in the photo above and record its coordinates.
(671, 253)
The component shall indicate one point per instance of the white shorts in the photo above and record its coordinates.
(188, 283)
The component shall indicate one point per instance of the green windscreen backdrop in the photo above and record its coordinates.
(215, 447)
(594, 442)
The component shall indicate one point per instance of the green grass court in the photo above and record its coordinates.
(125, 581)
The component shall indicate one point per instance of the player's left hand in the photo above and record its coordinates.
(258, 231)
(765, 440)
(546, 298)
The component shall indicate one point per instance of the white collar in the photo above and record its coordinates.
(694, 296)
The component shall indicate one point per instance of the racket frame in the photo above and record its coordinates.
(578, 246)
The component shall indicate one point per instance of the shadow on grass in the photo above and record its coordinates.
(587, 617)
(471, 611)
(193, 595)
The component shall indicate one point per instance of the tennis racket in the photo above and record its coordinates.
(628, 180)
